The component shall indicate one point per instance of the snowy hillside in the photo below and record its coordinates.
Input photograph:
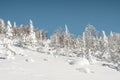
(26, 64)
(28, 54)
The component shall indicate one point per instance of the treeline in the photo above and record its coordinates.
(90, 43)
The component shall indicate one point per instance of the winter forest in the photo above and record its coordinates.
(63, 43)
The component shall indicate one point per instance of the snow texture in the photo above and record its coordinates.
(28, 54)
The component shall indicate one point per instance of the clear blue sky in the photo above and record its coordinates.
(52, 14)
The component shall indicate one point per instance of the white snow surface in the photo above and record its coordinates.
(25, 64)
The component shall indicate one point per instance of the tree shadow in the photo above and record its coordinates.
(111, 66)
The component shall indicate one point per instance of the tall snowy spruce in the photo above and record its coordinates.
(7, 40)
(31, 38)
(2, 26)
(89, 41)
(9, 29)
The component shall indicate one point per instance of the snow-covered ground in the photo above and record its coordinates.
(24, 64)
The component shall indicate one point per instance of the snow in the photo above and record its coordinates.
(9, 23)
(28, 55)
(32, 65)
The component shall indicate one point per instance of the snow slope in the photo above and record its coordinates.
(26, 64)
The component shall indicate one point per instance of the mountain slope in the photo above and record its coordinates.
(31, 65)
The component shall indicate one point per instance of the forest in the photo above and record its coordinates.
(90, 44)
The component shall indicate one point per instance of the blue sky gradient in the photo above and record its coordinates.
(52, 14)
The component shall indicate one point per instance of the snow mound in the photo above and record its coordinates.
(84, 70)
(71, 61)
(6, 53)
(30, 60)
(83, 62)
(80, 62)
(82, 65)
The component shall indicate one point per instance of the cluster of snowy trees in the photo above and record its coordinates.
(91, 43)
(20, 35)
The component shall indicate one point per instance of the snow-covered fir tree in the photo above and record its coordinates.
(9, 29)
(31, 38)
(2, 26)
